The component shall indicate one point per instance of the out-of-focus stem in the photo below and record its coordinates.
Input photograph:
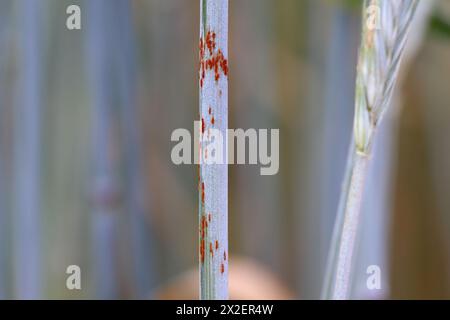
(142, 250)
(105, 181)
(27, 145)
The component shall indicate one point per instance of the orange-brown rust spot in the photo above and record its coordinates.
(203, 192)
(211, 251)
(202, 250)
(222, 268)
(203, 126)
(203, 233)
(215, 61)
(209, 110)
(203, 226)
(223, 63)
(201, 47)
(209, 217)
(211, 41)
(212, 120)
(217, 244)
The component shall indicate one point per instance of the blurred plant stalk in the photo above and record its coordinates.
(142, 250)
(385, 30)
(5, 55)
(213, 178)
(106, 187)
(28, 154)
(118, 196)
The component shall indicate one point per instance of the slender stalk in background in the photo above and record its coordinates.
(104, 163)
(385, 29)
(27, 154)
(337, 127)
(5, 55)
(142, 250)
(213, 178)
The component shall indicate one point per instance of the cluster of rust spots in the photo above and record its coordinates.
(203, 232)
(211, 251)
(203, 125)
(203, 192)
(213, 246)
(222, 266)
(203, 227)
(202, 250)
(210, 113)
(211, 59)
(210, 41)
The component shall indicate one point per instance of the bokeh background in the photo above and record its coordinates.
(86, 176)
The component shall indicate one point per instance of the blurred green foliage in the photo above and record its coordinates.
(440, 27)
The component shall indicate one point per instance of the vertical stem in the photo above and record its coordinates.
(27, 233)
(213, 176)
(352, 211)
(105, 182)
(338, 116)
(141, 244)
(5, 14)
(339, 267)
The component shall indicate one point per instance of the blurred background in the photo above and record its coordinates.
(86, 176)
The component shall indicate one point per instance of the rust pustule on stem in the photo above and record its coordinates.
(203, 125)
(202, 250)
(211, 59)
(203, 234)
(203, 192)
(213, 112)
